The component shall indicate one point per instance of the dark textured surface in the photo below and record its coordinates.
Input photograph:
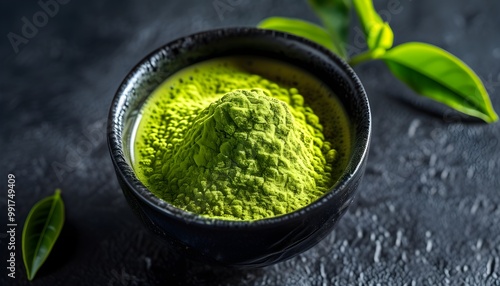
(427, 212)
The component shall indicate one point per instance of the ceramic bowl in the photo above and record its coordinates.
(242, 244)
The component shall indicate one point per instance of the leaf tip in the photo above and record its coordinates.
(493, 117)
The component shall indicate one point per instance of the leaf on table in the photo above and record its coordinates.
(335, 16)
(302, 28)
(378, 33)
(437, 74)
(41, 230)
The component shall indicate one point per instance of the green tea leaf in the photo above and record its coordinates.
(40, 232)
(437, 74)
(335, 16)
(378, 33)
(302, 28)
(380, 37)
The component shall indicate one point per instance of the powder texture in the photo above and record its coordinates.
(234, 146)
(246, 157)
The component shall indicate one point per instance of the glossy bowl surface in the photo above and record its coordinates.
(239, 243)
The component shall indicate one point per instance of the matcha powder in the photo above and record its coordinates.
(243, 154)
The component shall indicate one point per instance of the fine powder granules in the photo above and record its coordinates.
(233, 146)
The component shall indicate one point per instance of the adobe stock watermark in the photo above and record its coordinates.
(39, 19)
(223, 6)
(76, 154)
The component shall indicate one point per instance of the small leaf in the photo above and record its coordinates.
(377, 32)
(40, 232)
(437, 74)
(335, 16)
(380, 37)
(301, 28)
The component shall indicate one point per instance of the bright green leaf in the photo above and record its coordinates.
(380, 37)
(377, 32)
(40, 232)
(301, 28)
(437, 74)
(335, 16)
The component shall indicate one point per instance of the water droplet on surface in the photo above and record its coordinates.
(423, 178)
(447, 272)
(475, 206)
(413, 128)
(428, 247)
(404, 257)
(307, 269)
(360, 233)
(479, 244)
(322, 271)
(378, 250)
(490, 267)
(445, 173)
(399, 237)
(432, 160)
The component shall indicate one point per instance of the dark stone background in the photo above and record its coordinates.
(428, 209)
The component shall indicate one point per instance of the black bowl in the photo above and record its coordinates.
(239, 243)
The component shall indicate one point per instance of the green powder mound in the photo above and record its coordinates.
(244, 157)
(223, 142)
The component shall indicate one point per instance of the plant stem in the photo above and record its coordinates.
(366, 56)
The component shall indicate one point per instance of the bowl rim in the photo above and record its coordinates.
(126, 172)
